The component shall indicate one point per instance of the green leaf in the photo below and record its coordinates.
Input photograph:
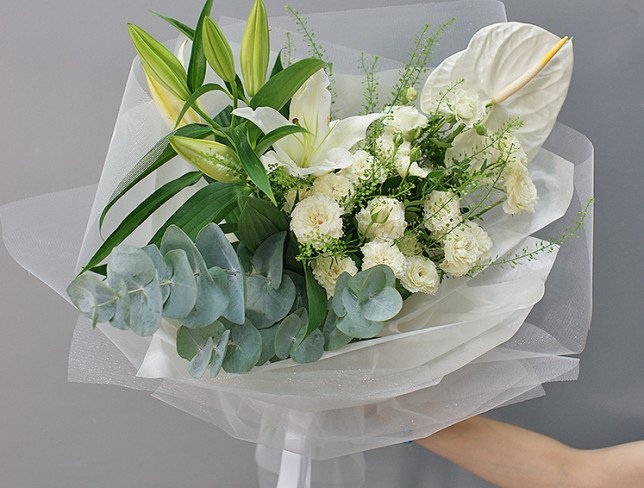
(219, 354)
(317, 302)
(265, 305)
(253, 165)
(140, 214)
(310, 349)
(191, 341)
(278, 66)
(198, 93)
(258, 221)
(199, 364)
(278, 90)
(189, 32)
(275, 135)
(93, 298)
(244, 349)
(197, 66)
(289, 331)
(268, 259)
(181, 284)
(210, 204)
(218, 251)
(268, 344)
(161, 153)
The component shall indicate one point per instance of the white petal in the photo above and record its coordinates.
(496, 56)
(348, 132)
(311, 105)
(266, 118)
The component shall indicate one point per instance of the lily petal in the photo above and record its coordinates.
(348, 132)
(496, 56)
(266, 118)
(311, 106)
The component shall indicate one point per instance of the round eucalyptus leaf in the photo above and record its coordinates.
(121, 319)
(288, 333)
(132, 265)
(93, 298)
(219, 354)
(213, 292)
(200, 362)
(336, 302)
(191, 341)
(310, 349)
(146, 307)
(268, 259)
(164, 270)
(175, 238)
(217, 251)
(244, 349)
(334, 339)
(181, 285)
(265, 305)
(368, 283)
(363, 329)
(383, 306)
(268, 344)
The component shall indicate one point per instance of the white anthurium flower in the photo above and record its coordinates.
(509, 65)
(326, 146)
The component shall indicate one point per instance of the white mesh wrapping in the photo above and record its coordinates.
(480, 344)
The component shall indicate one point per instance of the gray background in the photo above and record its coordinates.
(63, 66)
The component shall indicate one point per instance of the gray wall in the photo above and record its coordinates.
(63, 66)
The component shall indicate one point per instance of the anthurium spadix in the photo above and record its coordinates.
(326, 144)
(255, 49)
(165, 75)
(210, 157)
(516, 70)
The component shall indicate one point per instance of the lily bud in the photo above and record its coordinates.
(210, 157)
(398, 139)
(415, 153)
(159, 63)
(412, 94)
(255, 49)
(165, 75)
(218, 51)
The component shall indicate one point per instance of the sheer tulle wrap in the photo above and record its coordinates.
(479, 344)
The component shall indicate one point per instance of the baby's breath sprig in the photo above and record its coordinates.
(370, 83)
(418, 61)
(547, 246)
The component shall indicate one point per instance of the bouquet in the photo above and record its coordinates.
(304, 254)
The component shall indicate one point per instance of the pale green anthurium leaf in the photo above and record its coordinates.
(93, 298)
(496, 56)
(217, 251)
(265, 305)
(244, 349)
(334, 339)
(164, 270)
(288, 333)
(199, 364)
(268, 344)
(268, 259)
(212, 158)
(383, 306)
(219, 354)
(191, 341)
(181, 284)
(310, 349)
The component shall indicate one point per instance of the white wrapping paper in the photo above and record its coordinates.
(479, 344)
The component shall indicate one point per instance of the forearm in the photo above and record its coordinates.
(506, 455)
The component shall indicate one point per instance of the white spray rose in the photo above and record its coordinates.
(404, 165)
(364, 167)
(521, 192)
(420, 275)
(383, 218)
(469, 144)
(327, 270)
(465, 247)
(383, 252)
(442, 211)
(293, 195)
(333, 185)
(317, 219)
(404, 119)
(510, 148)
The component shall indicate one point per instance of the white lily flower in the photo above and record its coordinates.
(512, 66)
(325, 147)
